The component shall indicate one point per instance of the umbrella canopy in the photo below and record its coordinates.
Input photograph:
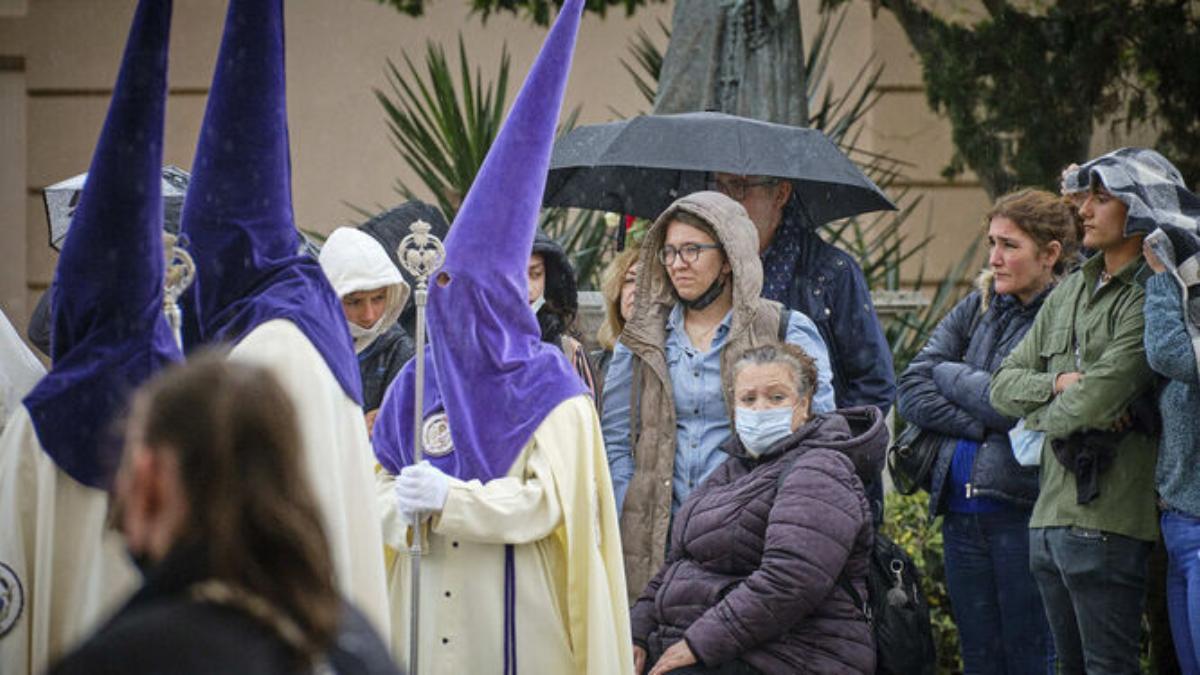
(639, 166)
(62, 198)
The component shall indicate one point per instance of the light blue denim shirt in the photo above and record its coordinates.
(701, 421)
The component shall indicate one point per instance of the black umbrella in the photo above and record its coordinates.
(639, 166)
(62, 198)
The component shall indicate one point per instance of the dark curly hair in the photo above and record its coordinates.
(562, 301)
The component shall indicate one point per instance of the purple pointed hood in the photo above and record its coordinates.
(238, 212)
(488, 368)
(108, 329)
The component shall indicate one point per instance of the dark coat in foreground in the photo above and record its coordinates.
(756, 558)
(163, 630)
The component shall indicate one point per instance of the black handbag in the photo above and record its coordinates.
(910, 458)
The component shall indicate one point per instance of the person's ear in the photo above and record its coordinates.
(141, 498)
(783, 191)
(801, 412)
(1052, 252)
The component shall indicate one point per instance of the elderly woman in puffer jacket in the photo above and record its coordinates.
(764, 553)
(985, 496)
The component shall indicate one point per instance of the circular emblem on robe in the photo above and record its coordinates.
(435, 436)
(12, 599)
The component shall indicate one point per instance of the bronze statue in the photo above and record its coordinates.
(743, 57)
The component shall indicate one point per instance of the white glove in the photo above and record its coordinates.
(421, 488)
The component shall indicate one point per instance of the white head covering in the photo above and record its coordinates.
(355, 261)
(19, 369)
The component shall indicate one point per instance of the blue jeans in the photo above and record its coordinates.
(1002, 628)
(1181, 533)
(1093, 585)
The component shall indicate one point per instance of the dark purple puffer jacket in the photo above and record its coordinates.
(753, 568)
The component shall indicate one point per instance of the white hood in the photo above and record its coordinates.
(19, 370)
(355, 261)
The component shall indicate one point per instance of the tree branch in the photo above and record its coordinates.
(917, 23)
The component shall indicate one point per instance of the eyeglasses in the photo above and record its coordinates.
(737, 189)
(690, 253)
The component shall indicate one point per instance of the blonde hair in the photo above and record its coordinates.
(610, 287)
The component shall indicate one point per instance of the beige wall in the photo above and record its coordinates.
(58, 59)
(63, 56)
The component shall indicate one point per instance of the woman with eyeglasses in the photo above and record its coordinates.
(667, 399)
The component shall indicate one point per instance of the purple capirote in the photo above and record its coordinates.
(237, 215)
(108, 329)
(487, 367)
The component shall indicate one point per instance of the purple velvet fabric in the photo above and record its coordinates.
(756, 555)
(490, 371)
(238, 216)
(109, 333)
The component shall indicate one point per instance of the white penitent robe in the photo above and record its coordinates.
(63, 572)
(338, 459)
(556, 506)
(20, 370)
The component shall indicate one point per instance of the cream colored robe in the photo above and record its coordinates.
(72, 571)
(556, 505)
(339, 460)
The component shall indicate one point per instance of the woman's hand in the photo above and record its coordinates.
(677, 655)
(639, 660)
(1152, 258)
(1065, 381)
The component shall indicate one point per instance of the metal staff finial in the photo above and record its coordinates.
(178, 274)
(421, 253)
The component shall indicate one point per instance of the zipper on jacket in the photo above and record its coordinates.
(968, 488)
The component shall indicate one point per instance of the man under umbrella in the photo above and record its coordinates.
(272, 305)
(807, 274)
(61, 570)
(517, 482)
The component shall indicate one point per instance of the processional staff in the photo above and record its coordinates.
(178, 274)
(421, 253)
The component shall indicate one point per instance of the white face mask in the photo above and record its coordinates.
(760, 429)
(363, 337)
(537, 304)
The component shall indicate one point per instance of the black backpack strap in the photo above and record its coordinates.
(844, 583)
(785, 317)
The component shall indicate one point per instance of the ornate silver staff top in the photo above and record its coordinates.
(422, 254)
(178, 274)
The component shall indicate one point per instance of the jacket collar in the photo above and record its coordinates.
(1131, 273)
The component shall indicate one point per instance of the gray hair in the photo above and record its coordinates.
(801, 365)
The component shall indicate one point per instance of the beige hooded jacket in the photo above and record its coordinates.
(646, 515)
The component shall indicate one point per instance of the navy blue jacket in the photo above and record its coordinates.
(829, 287)
(945, 389)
